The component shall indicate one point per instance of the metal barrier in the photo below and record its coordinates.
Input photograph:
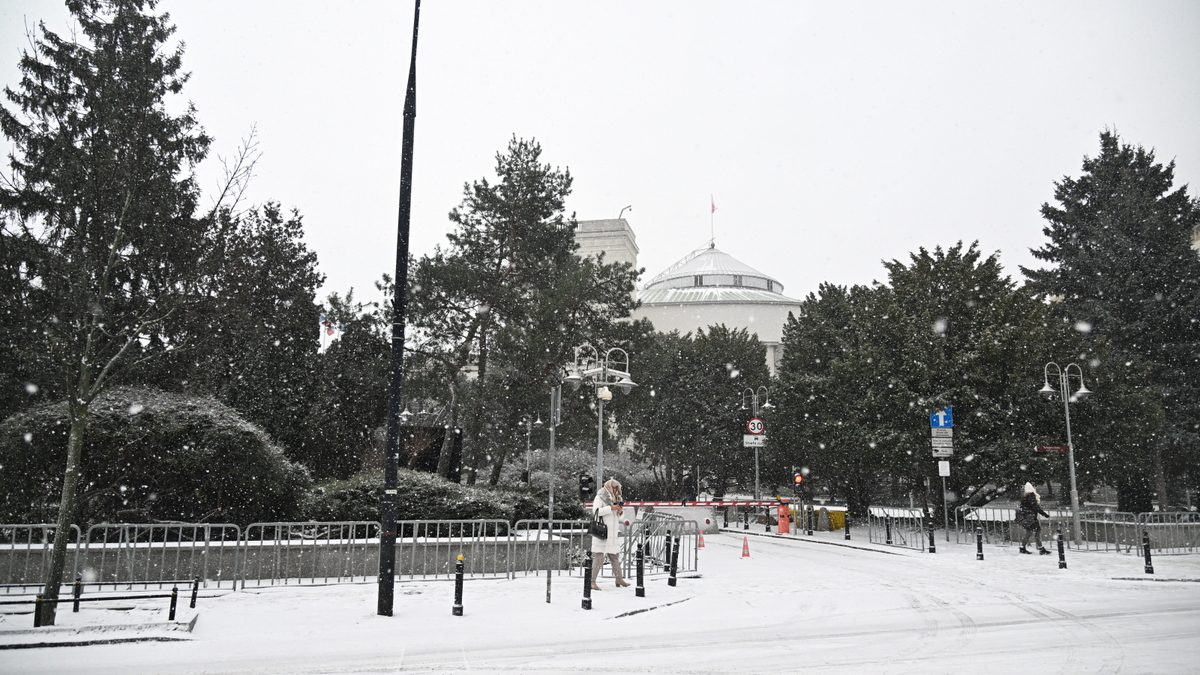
(284, 553)
(652, 533)
(161, 554)
(1171, 532)
(558, 547)
(429, 548)
(27, 549)
(895, 526)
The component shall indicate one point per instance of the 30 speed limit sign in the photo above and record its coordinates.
(756, 426)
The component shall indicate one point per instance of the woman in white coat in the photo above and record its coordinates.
(607, 505)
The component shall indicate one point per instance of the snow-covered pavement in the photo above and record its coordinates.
(793, 606)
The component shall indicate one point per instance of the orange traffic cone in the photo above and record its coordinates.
(701, 543)
(745, 547)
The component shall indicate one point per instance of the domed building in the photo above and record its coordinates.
(706, 288)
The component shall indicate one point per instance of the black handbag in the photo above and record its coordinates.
(598, 528)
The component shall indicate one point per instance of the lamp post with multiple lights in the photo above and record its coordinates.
(603, 371)
(1063, 376)
(757, 410)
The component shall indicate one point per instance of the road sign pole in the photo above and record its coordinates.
(945, 509)
(756, 492)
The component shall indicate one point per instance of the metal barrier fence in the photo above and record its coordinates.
(27, 549)
(225, 556)
(553, 546)
(1170, 533)
(293, 553)
(896, 526)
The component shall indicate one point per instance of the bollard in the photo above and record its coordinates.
(745, 519)
(174, 601)
(768, 519)
(78, 591)
(458, 587)
(640, 590)
(587, 582)
(725, 512)
(195, 590)
(978, 543)
(37, 611)
(932, 544)
(1062, 556)
(674, 561)
(1146, 550)
(666, 563)
(809, 529)
(847, 523)
(887, 521)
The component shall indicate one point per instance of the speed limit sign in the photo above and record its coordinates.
(756, 426)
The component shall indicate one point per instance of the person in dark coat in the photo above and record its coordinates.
(1027, 518)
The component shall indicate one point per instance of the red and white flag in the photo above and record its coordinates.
(714, 204)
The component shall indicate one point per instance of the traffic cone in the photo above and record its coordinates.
(701, 543)
(745, 547)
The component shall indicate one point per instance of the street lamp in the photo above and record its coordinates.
(609, 370)
(1048, 392)
(757, 409)
(529, 425)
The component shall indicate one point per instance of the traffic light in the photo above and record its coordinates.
(797, 484)
(587, 488)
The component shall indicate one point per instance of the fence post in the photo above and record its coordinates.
(674, 560)
(458, 587)
(887, 523)
(978, 542)
(78, 591)
(1062, 556)
(846, 523)
(640, 590)
(174, 600)
(587, 581)
(666, 564)
(195, 590)
(1146, 551)
(725, 513)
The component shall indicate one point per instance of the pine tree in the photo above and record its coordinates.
(1122, 268)
(102, 197)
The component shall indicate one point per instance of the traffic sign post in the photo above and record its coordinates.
(941, 439)
(944, 471)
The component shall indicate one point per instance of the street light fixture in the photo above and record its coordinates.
(609, 370)
(1064, 377)
(529, 425)
(757, 410)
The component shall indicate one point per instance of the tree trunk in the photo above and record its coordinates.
(66, 511)
(497, 467)
(476, 420)
(1160, 477)
(447, 454)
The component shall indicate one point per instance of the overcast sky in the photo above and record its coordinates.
(831, 136)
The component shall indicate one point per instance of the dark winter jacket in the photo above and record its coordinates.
(1028, 513)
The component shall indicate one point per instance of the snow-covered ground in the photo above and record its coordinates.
(795, 605)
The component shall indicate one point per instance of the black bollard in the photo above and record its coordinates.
(458, 587)
(666, 562)
(587, 582)
(195, 590)
(809, 513)
(1062, 556)
(767, 517)
(932, 544)
(174, 602)
(846, 520)
(887, 522)
(640, 590)
(37, 611)
(674, 561)
(725, 512)
(1146, 551)
(745, 519)
(78, 591)
(978, 543)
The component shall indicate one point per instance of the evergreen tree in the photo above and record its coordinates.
(102, 196)
(1123, 269)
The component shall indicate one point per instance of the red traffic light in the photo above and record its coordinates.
(799, 478)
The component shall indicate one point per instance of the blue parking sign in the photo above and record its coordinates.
(942, 418)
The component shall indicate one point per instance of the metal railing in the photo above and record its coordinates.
(429, 548)
(293, 553)
(1170, 533)
(160, 554)
(655, 535)
(895, 526)
(27, 549)
(556, 547)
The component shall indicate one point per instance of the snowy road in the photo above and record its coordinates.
(793, 606)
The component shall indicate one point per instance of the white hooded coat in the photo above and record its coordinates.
(603, 506)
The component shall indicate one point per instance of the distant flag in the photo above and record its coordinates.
(714, 204)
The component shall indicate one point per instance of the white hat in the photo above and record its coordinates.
(1029, 488)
